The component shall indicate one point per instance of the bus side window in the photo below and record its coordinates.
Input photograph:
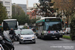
(37, 28)
(44, 27)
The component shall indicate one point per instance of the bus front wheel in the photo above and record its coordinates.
(58, 38)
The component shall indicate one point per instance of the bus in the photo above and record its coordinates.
(49, 27)
(10, 23)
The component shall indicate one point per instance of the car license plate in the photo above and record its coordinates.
(27, 41)
(27, 38)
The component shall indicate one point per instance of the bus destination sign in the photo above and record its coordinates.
(48, 20)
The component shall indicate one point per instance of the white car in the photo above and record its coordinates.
(67, 30)
(27, 35)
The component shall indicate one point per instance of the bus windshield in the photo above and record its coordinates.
(10, 24)
(53, 25)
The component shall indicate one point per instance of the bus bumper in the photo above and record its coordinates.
(53, 35)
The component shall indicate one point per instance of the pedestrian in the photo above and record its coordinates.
(12, 32)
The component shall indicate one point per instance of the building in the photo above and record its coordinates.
(8, 5)
(24, 7)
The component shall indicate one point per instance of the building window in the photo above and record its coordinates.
(8, 8)
(1, 2)
(8, 12)
(7, 3)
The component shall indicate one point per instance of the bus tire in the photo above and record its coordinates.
(44, 38)
(58, 38)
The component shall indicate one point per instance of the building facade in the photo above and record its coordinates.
(24, 7)
(8, 5)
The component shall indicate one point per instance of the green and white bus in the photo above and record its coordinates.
(49, 27)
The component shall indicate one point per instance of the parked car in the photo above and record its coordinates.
(17, 32)
(27, 35)
(67, 30)
(62, 32)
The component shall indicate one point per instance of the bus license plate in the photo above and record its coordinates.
(53, 36)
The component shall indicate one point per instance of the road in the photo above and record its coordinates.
(62, 44)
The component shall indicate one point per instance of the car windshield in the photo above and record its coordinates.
(53, 25)
(26, 32)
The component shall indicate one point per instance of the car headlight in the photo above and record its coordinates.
(21, 37)
(33, 37)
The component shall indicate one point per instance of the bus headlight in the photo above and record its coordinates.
(45, 32)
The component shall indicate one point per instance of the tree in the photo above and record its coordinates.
(17, 10)
(3, 13)
(72, 26)
(46, 8)
(33, 21)
(19, 14)
(68, 7)
(22, 19)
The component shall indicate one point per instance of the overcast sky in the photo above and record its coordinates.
(30, 2)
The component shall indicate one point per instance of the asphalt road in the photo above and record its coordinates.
(62, 44)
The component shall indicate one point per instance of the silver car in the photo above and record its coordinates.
(26, 36)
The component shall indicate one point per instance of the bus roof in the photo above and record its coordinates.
(48, 17)
(43, 19)
(9, 19)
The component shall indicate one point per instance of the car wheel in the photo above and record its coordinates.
(34, 42)
(20, 43)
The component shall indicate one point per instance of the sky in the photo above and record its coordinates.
(30, 2)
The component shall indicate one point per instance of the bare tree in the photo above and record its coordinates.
(67, 6)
